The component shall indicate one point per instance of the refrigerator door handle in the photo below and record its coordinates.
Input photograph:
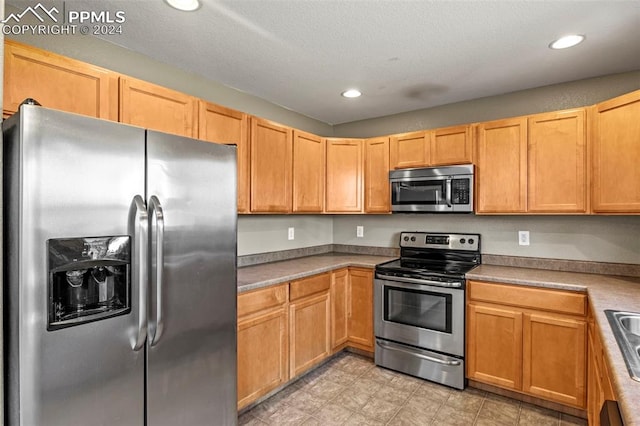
(140, 268)
(155, 211)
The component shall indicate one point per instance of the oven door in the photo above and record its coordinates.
(417, 314)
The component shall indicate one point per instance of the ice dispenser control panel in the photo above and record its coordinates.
(89, 279)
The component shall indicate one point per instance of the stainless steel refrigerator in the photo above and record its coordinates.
(120, 274)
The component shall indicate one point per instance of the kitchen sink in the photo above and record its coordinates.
(631, 324)
(626, 328)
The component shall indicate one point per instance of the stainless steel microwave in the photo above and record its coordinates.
(447, 189)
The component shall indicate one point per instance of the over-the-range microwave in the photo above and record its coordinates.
(447, 189)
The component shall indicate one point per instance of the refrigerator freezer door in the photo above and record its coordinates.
(191, 378)
(68, 176)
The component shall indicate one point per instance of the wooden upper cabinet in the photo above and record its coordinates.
(308, 172)
(452, 145)
(271, 153)
(345, 164)
(616, 155)
(501, 166)
(557, 162)
(410, 150)
(57, 82)
(227, 126)
(376, 176)
(158, 108)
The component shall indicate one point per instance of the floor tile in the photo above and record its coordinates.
(567, 420)
(449, 416)
(333, 414)
(379, 409)
(412, 415)
(286, 416)
(305, 402)
(351, 390)
(537, 416)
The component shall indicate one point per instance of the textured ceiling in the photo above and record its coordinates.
(403, 55)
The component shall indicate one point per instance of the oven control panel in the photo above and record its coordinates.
(443, 241)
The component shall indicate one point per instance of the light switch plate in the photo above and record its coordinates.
(360, 231)
(292, 234)
(523, 238)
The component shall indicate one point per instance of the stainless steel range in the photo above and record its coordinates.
(419, 306)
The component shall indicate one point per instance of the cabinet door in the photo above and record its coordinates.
(227, 126)
(271, 152)
(158, 108)
(501, 172)
(344, 175)
(262, 355)
(339, 308)
(310, 332)
(554, 359)
(308, 172)
(361, 308)
(451, 145)
(494, 345)
(410, 150)
(616, 154)
(557, 162)
(376, 176)
(57, 82)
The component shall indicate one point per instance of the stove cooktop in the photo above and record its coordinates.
(434, 256)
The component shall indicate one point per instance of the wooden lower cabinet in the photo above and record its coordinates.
(339, 308)
(263, 349)
(310, 322)
(528, 340)
(599, 387)
(494, 346)
(554, 358)
(361, 309)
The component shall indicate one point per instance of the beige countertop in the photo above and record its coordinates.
(605, 292)
(266, 274)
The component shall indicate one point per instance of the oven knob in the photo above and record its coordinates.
(470, 240)
(413, 238)
(406, 238)
(462, 241)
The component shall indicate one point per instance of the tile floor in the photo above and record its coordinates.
(351, 390)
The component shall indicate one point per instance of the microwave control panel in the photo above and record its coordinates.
(460, 191)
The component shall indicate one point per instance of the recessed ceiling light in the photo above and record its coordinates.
(185, 5)
(351, 93)
(567, 41)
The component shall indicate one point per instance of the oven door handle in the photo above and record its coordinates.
(417, 281)
(416, 354)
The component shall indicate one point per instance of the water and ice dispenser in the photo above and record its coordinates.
(89, 279)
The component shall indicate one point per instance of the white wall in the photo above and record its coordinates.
(592, 238)
(261, 234)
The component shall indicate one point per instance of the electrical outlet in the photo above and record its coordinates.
(292, 234)
(360, 231)
(523, 238)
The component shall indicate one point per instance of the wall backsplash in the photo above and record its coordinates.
(591, 238)
(266, 233)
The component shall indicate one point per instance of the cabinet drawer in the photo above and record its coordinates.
(258, 300)
(307, 286)
(528, 297)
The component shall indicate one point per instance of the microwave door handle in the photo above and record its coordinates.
(448, 192)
